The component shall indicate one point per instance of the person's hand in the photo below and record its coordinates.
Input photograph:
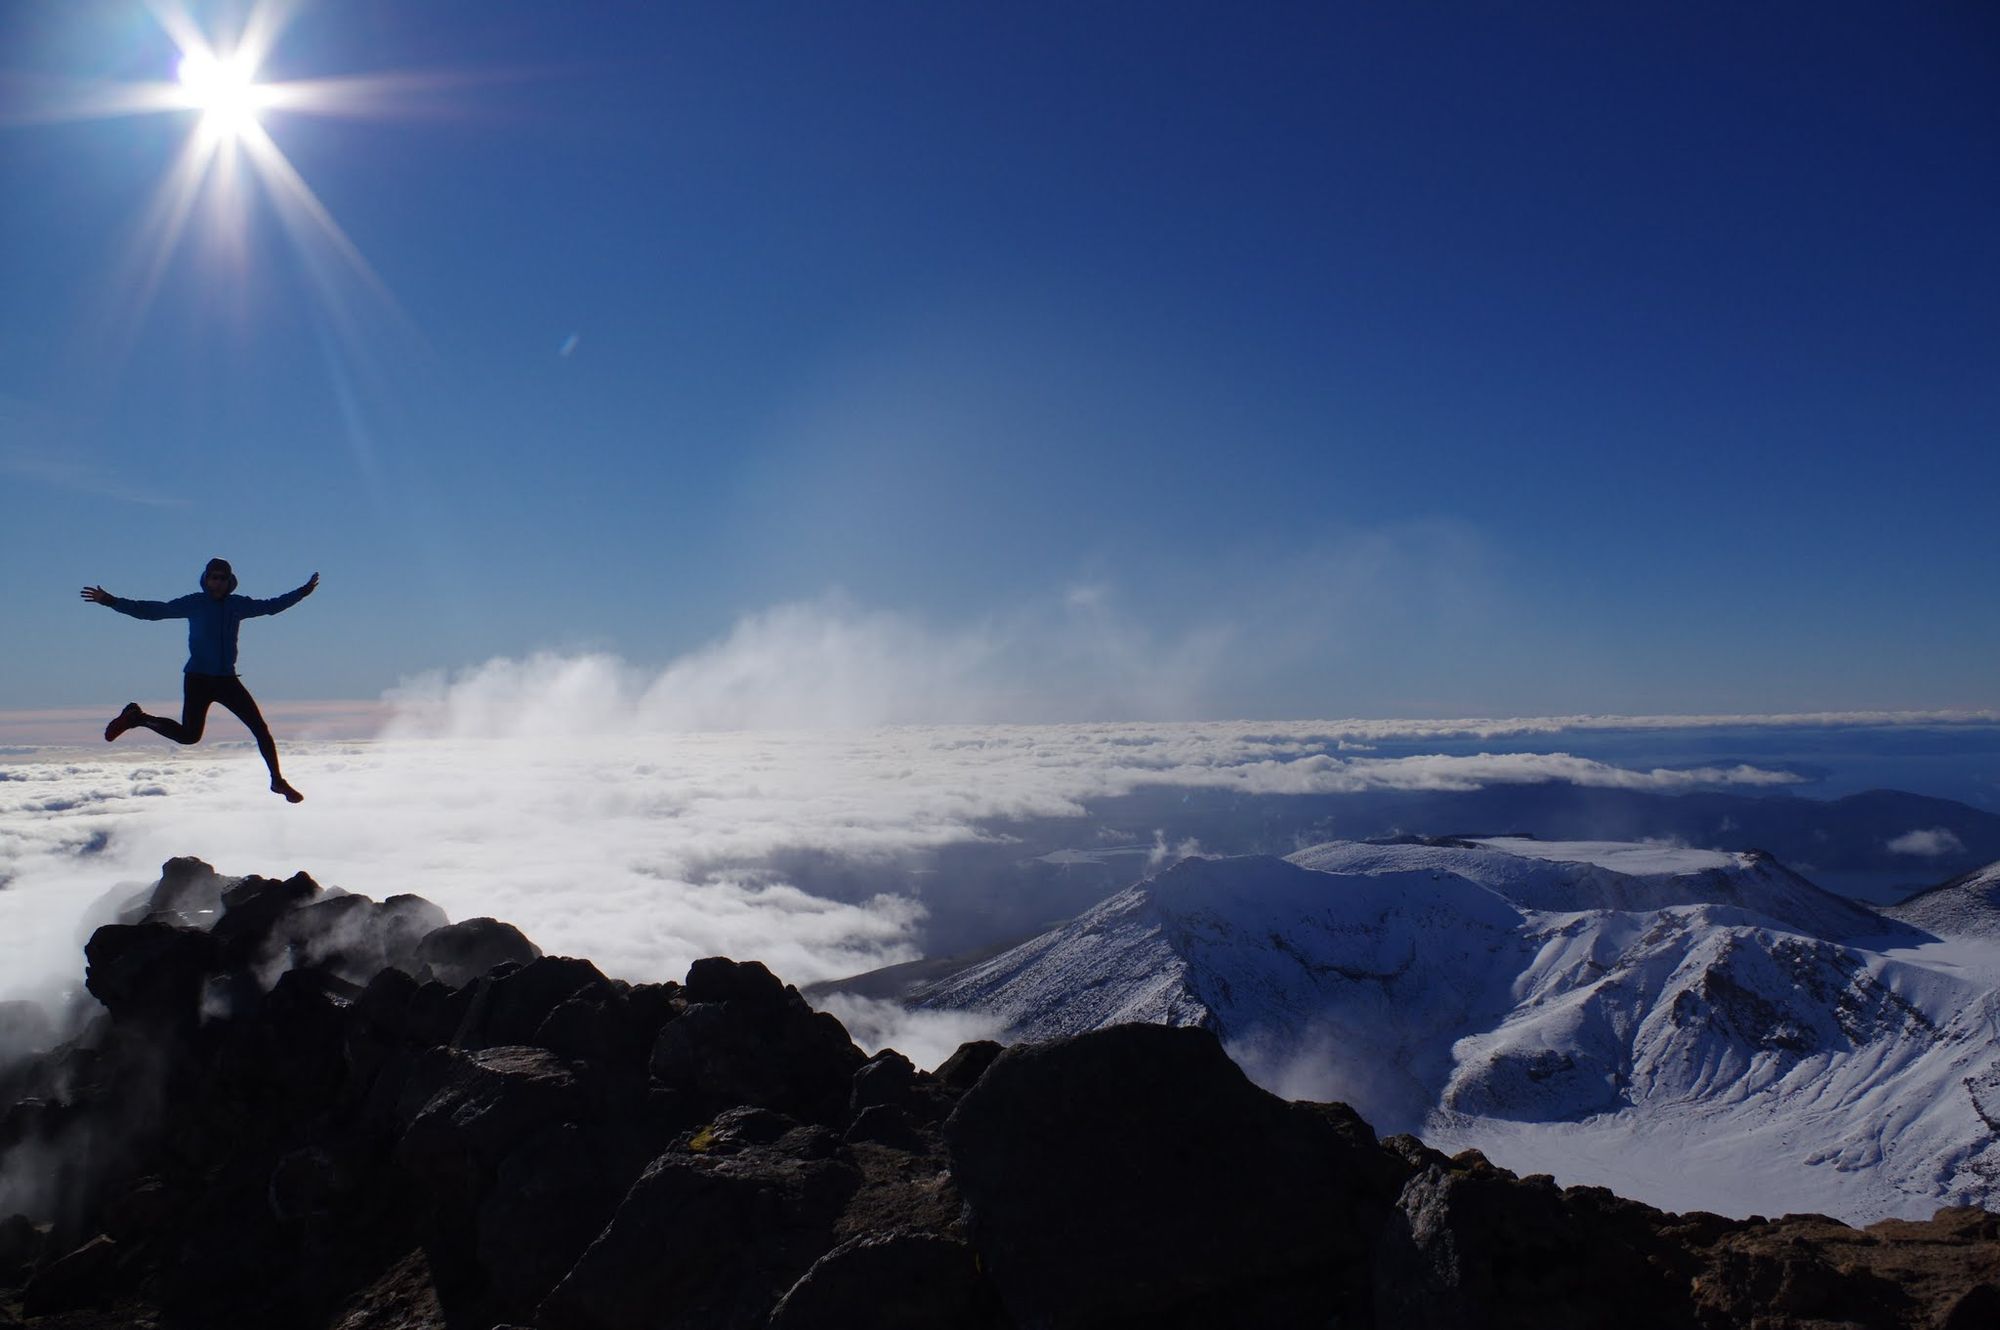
(97, 595)
(311, 582)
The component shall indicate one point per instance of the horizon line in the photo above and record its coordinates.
(335, 719)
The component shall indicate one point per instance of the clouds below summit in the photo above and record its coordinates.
(647, 817)
(645, 850)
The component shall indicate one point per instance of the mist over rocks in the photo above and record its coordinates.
(257, 1130)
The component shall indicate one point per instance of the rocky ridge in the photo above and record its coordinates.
(1966, 906)
(302, 1108)
(1559, 1005)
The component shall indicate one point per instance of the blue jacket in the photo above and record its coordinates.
(211, 623)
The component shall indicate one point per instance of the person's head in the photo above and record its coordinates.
(218, 579)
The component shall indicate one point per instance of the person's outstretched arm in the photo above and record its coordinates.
(140, 609)
(277, 604)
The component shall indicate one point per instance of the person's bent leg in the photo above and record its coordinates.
(237, 699)
(197, 694)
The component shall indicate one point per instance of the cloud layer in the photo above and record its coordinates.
(647, 850)
(645, 818)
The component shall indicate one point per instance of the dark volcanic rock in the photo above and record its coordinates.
(1136, 1176)
(1807, 1271)
(152, 973)
(511, 1007)
(20, 1248)
(746, 1039)
(468, 1111)
(550, 1197)
(884, 1079)
(357, 939)
(705, 1243)
(719, 979)
(885, 1124)
(1469, 1245)
(403, 1298)
(892, 1281)
(964, 1067)
(86, 1277)
(458, 953)
(189, 894)
(301, 1110)
(252, 910)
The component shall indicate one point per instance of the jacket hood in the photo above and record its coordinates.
(217, 564)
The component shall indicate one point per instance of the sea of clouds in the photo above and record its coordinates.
(635, 817)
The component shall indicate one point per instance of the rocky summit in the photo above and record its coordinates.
(296, 1107)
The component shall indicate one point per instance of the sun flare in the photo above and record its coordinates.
(226, 92)
(229, 156)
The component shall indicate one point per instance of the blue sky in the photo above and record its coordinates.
(1364, 360)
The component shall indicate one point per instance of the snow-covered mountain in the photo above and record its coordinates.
(1966, 906)
(1699, 1028)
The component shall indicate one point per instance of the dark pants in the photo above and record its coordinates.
(201, 691)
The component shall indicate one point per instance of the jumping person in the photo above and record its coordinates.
(210, 675)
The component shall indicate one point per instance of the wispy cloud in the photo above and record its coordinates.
(1928, 843)
(830, 664)
(36, 447)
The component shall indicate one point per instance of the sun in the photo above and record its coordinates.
(229, 160)
(226, 92)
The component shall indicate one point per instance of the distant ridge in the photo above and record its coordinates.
(1675, 1013)
(1966, 906)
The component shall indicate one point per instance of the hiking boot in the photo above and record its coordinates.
(123, 721)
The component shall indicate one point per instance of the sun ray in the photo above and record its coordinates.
(154, 243)
(296, 203)
(43, 102)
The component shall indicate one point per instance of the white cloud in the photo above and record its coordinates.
(1928, 843)
(641, 817)
(647, 850)
(926, 1038)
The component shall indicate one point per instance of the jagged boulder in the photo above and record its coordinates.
(188, 894)
(885, 1080)
(1806, 1271)
(962, 1070)
(892, 1281)
(745, 1038)
(1135, 1176)
(1471, 1246)
(149, 973)
(613, 1028)
(456, 954)
(86, 1277)
(467, 1111)
(20, 1249)
(550, 1197)
(355, 937)
(709, 1241)
(510, 1007)
(252, 909)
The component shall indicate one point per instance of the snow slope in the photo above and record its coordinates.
(1967, 906)
(1700, 1029)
